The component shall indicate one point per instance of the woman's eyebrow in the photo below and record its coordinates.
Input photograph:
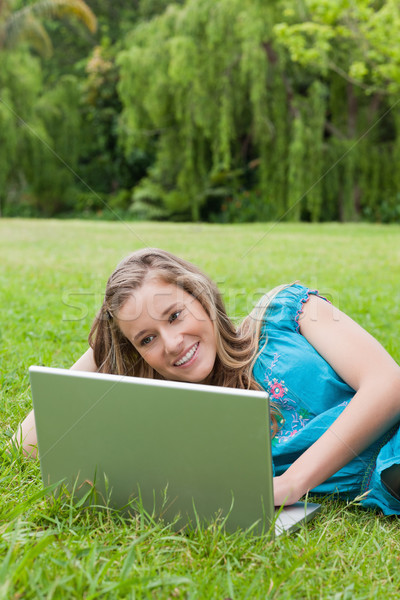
(139, 335)
(168, 310)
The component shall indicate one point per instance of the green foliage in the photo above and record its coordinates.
(147, 201)
(187, 80)
(190, 109)
(51, 173)
(21, 23)
(40, 135)
(8, 143)
(296, 173)
(216, 86)
(312, 30)
(242, 207)
(40, 128)
(20, 82)
(103, 164)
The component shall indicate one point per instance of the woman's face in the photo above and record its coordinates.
(171, 330)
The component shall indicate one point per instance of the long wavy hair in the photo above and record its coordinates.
(237, 348)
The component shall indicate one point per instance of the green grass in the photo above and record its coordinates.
(52, 277)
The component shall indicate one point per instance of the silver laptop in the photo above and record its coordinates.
(186, 453)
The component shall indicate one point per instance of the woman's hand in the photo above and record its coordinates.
(25, 436)
(286, 491)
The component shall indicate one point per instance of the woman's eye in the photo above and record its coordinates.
(174, 316)
(146, 340)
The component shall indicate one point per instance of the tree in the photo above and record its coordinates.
(281, 93)
(31, 120)
(24, 25)
(355, 48)
(195, 82)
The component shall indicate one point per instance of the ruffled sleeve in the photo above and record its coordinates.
(285, 309)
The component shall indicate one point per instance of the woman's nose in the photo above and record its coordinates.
(173, 343)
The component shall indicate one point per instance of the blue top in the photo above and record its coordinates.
(310, 395)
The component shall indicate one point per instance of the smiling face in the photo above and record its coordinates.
(171, 331)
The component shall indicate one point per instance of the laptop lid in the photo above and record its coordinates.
(191, 450)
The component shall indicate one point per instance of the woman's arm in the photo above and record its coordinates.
(85, 362)
(362, 363)
(25, 435)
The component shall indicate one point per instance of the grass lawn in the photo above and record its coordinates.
(52, 278)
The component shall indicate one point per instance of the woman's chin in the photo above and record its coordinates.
(199, 377)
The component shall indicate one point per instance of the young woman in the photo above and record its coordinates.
(334, 390)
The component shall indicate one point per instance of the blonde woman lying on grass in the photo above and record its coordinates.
(334, 390)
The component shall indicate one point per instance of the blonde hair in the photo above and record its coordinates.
(237, 348)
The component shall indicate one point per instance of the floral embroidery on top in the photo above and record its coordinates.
(277, 389)
(293, 420)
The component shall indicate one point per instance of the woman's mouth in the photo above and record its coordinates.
(189, 357)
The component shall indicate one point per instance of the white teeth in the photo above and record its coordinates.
(187, 356)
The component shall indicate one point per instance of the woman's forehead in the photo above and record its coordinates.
(153, 297)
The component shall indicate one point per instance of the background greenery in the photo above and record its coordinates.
(51, 283)
(212, 110)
